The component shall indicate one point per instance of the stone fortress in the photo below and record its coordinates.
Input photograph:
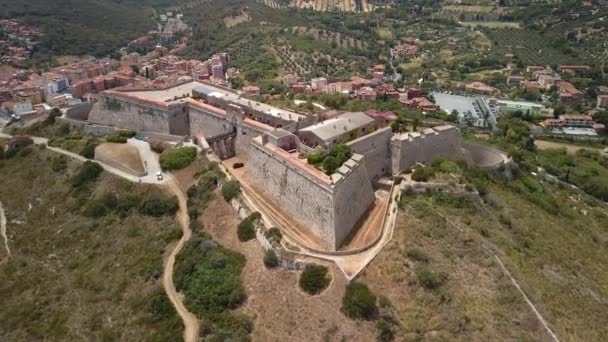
(273, 142)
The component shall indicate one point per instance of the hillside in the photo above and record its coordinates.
(444, 284)
(82, 27)
(72, 277)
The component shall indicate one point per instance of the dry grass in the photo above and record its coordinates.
(72, 278)
(476, 302)
(281, 311)
(121, 154)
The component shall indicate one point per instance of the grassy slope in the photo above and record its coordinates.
(73, 278)
(559, 258)
(475, 303)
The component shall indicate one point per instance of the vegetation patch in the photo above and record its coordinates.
(246, 229)
(230, 190)
(109, 288)
(330, 162)
(178, 158)
(359, 302)
(314, 279)
(210, 277)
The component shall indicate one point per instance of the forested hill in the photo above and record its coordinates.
(78, 27)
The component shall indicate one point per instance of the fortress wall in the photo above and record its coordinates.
(375, 148)
(179, 123)
(130, 114)
(309, 203)
(208, 124)
(80, 111)
(352, 198)
(406, 152)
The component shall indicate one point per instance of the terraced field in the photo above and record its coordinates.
(529, 46)
(325, 5)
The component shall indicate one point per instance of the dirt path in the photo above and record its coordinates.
(191, 323)
(3, 229)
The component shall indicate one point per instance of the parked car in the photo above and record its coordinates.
(237, 165)
(159, 176)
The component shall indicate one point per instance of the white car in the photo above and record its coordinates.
(159, 176)
(606, 150)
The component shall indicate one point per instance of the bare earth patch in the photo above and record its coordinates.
(280, 310)
(121, 154)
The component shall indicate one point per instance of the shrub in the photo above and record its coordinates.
(422, 174)
(63, 129)
(230, 190)
(316, 157)
(178, 158)
(417, 255)
(330, 165)
(157, 206)
(88, 173)
(359, 302)
(270, 259)
(209, 277)
(314, 279)
(430, 280)
(50, 119)
(228, 326)
(59, 164)
(385, 329)
(115, 138)
(25, 151)
(274, 234)
(127, 133)
(88, 151)
(246, 230)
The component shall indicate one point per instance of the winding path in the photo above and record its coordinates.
(3, 229)
(191, 323)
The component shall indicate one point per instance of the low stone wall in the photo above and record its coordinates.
(484, 156)
(409, 149)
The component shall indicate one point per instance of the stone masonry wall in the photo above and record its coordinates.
(352, 198)
(127, 114)
(407, 151)
(307, 202)
(375, 147)
(207, 124)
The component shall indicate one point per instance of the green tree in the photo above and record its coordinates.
(359, 302)
(314, 279)
(230, 190)
(330, 165)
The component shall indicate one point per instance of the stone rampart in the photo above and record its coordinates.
(308, 202)
(351, 198)
(375, 147)
(329, 210)
(408, 149)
